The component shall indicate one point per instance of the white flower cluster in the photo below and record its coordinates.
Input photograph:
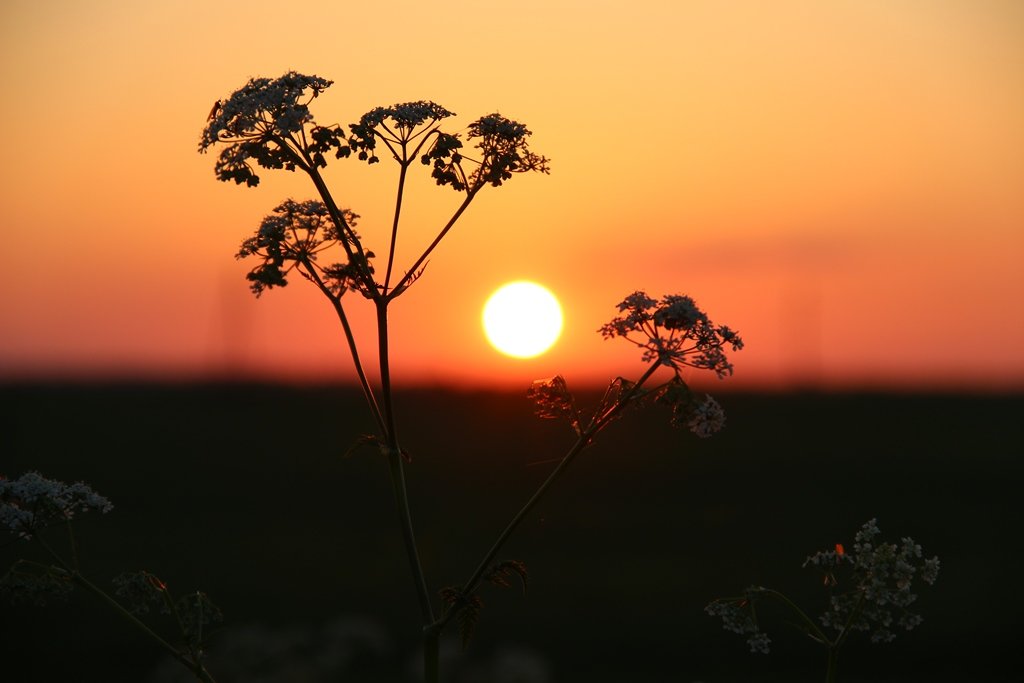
(870, 590)
(882, 576)
(33, 502)
(706, 418)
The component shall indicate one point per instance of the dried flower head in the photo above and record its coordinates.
(32, 502)
(554, 400)
(673, 332)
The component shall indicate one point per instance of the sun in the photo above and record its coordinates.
(522, 319)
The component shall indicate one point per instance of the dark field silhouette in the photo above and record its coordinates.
(245, 492)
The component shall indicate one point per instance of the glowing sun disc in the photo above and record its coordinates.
(522, 319)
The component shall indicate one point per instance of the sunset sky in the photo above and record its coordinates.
(842, 182)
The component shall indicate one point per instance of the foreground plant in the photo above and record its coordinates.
(32, 504)
(267, 124)
(869, 590)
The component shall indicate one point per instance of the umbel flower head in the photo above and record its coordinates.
(870, 589)
(32, 502)
(265, 121)
(504, 150)
(294, 235)
(879, 591)
(673, 332)
(395, 126)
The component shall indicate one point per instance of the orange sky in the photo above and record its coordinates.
(841, 182)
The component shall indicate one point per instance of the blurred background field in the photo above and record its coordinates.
(244, 491)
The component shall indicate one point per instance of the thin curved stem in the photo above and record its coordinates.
(371, 399)
(852, 617)
(346, 232)
(808, 623)
(195, 667)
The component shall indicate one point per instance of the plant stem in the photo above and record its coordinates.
(371, 400)
(397, 470)
(833, 664)
(394, 225)
(383, 343)
(812, 628)
(194, 666)
(404, 282)
(345, 231)
(408, 535)
(431, 656)
(335, 300)
(584, 440)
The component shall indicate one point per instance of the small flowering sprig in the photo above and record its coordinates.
(553, 400)
(676, 334)
(869, 589)
(31, 504)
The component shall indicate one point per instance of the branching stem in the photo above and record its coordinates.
(404, 282)
(584, 440)
(196, 667)
(371, 399)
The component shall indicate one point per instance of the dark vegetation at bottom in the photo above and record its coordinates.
(243, 491)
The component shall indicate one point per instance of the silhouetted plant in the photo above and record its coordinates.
(32, 504)
(869, 589)
(268, 124)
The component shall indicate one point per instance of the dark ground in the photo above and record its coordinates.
(242, 491)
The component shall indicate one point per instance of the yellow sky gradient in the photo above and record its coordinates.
(839, 181)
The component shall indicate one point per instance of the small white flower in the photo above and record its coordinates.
(706, 418)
